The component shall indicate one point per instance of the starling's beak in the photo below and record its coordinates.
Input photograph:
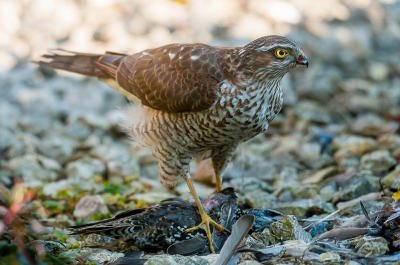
(302, 60)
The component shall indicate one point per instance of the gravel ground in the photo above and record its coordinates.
(336, 137)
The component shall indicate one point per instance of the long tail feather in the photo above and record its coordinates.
(98, 65)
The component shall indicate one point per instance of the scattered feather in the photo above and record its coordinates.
(346, 233)
(239, 231)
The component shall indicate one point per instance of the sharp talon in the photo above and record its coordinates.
(227, 231)
(205, 224)
(206, 220)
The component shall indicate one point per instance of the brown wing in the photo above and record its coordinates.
(172, 78)
(175, 77)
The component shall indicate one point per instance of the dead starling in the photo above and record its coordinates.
(164, 224)
(228, 215)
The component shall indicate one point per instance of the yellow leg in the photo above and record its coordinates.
(218, 182)
(206, 220)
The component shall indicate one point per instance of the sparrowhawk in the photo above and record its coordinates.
(196, 100)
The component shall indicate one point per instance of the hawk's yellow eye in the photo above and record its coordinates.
(281, 53)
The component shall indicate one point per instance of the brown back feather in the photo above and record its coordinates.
(174, 78)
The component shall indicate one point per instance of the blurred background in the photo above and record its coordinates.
(58, 129)
(343, 33)
(64, 159)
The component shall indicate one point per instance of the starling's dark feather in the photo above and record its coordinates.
(188, 247)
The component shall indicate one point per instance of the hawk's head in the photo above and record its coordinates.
(272, 56)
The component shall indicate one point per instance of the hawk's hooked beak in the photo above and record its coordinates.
(302, 60)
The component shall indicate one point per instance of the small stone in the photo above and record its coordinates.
(84, 168)
(90, 205)
(289, 229)
(49, 163)
(211, 258)
(124, 166)
(351, 262)
(369, 125)
(27, 143)
(36, 124)
(120, 160)
(309, 154)
(260, 239)
(346, 159)
(369, 246)
(377, 161)
(320, 206)
(161, 260)
(61, 221)
(308, 191)
(195, 260)
(58, 147)
(96, 239)
(51, 189)
(298, 208)
(151, 197)
(150, 184)
(312, 111)
(321, 175)
(287, 180)
(299, 248)
(260, 199)
(354, 84)
(34, 169)
(5, 177)
(249, 184)
(9, 114)
(100, 255)
(361, 104)
(392, 179)
(327, 192)
(378, 71)
(78, 130)
(389, 141)
(150, 171)
(319, 228)
(374, 196)
(319, 83)
(356, 145)
(8, 139)
(363, 184)
(329, 256)
(92, 119)
(249, 262)
(371, 178)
